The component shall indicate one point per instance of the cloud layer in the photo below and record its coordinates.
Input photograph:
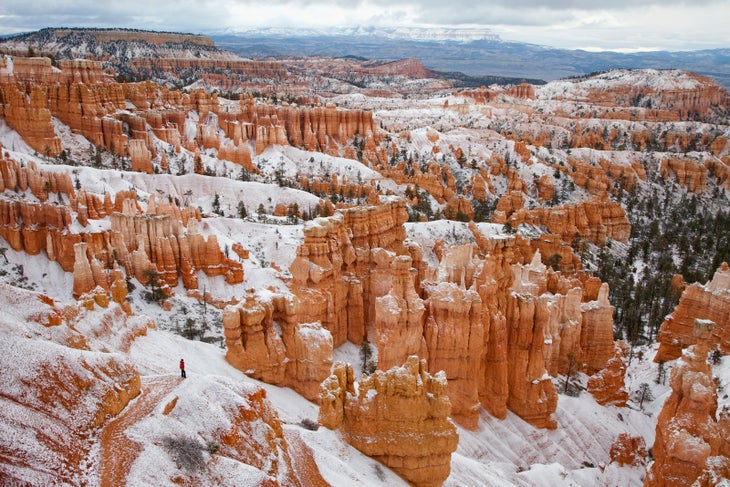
(618, 24)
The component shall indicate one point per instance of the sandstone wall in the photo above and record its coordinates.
(299, 356)
(711, 302)
(399, 417)
(689, 431)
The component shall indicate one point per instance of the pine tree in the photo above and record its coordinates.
(366, 357)
(242, 213)
(644, 394)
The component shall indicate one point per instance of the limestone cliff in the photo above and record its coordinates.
(596, 220)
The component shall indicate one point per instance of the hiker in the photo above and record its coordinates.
(182, 368)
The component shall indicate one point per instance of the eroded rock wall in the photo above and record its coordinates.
(710, 301)
(398, 416)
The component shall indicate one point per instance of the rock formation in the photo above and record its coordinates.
(688, 173)
(685, 95)
(399, 316)
(399, 417)
(689, 432)
(164, 239)
(299, 357)
(25, 109)
(532, 395)
(96, 107)
(629, 450)
(595, 220)
(607, 385)
(454, 332)
(710, 301)
(343, 265)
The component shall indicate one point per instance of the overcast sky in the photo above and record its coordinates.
(625, 25)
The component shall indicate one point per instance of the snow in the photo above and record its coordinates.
(665, 80)
(499, 452)
(722, 372)
(11, 140)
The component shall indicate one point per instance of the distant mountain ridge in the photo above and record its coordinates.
(477, 57)
(453, 34)
(465, 57)
(138, 54)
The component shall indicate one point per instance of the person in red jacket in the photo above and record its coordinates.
(182, 368)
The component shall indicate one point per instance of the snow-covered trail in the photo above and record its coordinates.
(118, 452)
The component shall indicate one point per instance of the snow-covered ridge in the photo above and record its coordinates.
(653, 79)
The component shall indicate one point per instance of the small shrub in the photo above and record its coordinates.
(309, 424)
(379, 472)
(213, 447)
(186, 452)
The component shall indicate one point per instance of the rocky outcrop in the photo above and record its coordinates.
(276, 453)
(595, 220)
(26, 111)
(596, 337)
(710, 301)
(344, 264)
(537, 324)
(607, 385)
(399, 316)
(685, 95)
(165, 239)
(532, 395)
(300, 356)
(522, 90)
(399, 417)
(478, 312)
(689, 431)
(43, 184)
(688, 173)
(123, 117)
(628, 450)
(454, 332)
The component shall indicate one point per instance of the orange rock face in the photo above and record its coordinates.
(26, 111)
(688, 173)
(629, 450)
(479, 311)
(693, 96)
(344, 265)
(399, 316)
(244, 442)
(523, 90)
(122, 117)
(711, 302)
(455, 323)
(607, 387)
(689, 431)
(165, 239)
(532, 395)
(399, 417)
(300, 357)
(595, 220)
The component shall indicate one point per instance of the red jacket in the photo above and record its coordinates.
(182, 365)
